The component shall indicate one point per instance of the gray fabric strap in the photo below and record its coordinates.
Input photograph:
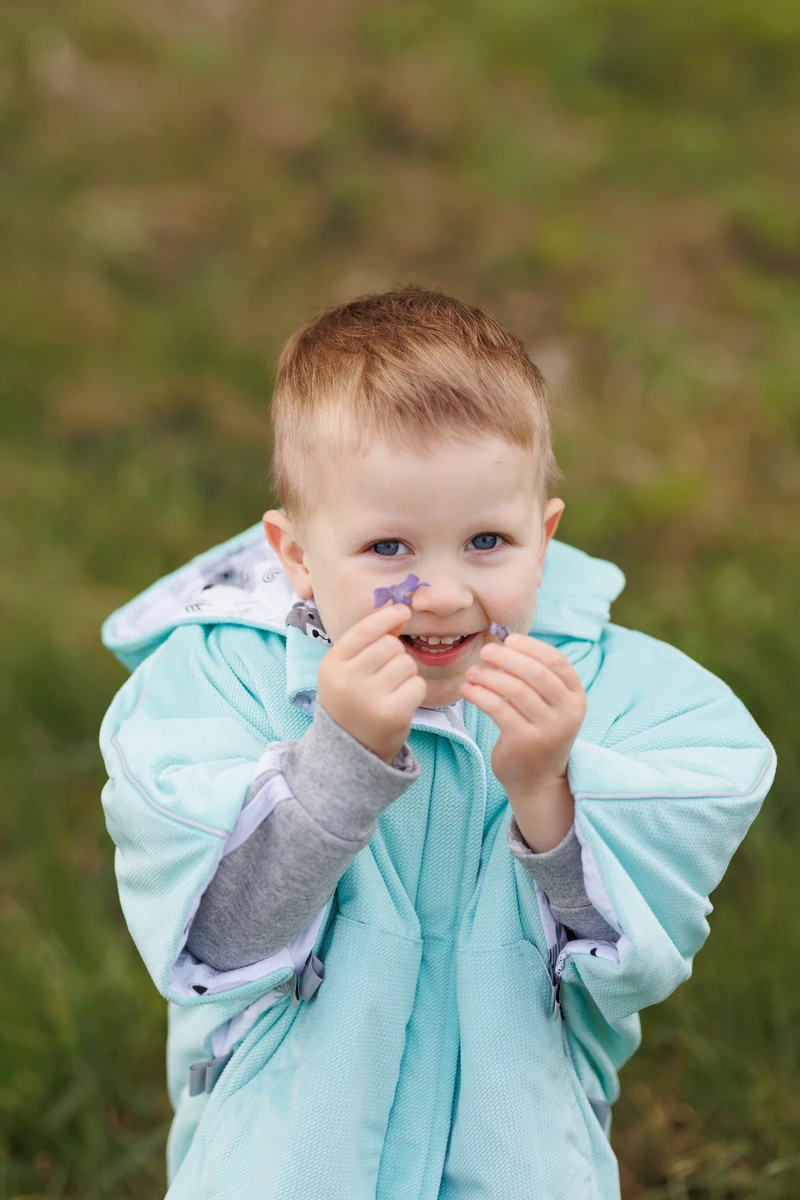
(270, 888)
(311, 977)
(204, 1075)
(304, 986)
(560, 875)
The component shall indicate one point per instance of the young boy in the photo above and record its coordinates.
(406, 898)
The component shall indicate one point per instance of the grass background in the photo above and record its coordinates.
(182, 185)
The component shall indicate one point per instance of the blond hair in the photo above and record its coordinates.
(412, 367)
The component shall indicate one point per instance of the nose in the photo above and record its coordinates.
(445, 596)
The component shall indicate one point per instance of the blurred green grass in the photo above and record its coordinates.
(183, 185)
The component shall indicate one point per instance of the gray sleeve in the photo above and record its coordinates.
(270, 888)
(560, 875)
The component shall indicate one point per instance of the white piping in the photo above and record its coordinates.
(220, 833)
(687, 795)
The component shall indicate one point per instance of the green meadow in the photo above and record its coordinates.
(181, 185)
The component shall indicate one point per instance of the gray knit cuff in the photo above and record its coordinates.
(339, 782)
(559, 873)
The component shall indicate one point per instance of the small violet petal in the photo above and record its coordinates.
(398, 593)
(499, 631)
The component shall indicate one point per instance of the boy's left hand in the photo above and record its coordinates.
(534, 696)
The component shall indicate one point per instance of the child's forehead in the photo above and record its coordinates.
(381, 459)
(517, 513)
(448, 486)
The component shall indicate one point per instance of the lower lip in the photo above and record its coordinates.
(429, 658)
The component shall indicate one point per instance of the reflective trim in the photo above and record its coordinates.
(166, 812)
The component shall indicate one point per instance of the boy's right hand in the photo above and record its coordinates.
(369, 684)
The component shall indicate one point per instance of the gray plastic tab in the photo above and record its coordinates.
(304, 985)
(311, 976)
(204, 1075)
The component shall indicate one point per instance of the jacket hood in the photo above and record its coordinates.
(242, 582)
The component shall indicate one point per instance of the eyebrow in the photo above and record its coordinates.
(490, 522)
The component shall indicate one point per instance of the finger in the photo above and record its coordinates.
(371, 628)
(414, 688)
(505, 715)
(395, 671)
(553, 658)
(525, 699)
(531, 672)
(388, 648)
(537, 665)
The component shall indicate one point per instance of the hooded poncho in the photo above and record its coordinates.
(433, 1033)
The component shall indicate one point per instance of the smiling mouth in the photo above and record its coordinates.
(433, 655)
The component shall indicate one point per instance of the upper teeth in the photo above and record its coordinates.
(434, 641)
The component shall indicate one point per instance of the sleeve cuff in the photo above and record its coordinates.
(342, 784)
(559, 873)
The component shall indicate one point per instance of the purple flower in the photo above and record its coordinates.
(400, 593)
(499, 631)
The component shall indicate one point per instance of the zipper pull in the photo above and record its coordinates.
(555, 996)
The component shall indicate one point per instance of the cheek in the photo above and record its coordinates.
(513, 604)
(338, 615)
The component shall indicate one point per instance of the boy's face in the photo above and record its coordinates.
(463, 518)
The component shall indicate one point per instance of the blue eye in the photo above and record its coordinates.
(396, 542)
(478, 536)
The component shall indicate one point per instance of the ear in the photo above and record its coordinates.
(552, 516)
(281, 537)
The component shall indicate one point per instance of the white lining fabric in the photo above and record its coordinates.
(189, 973)
(559, 945)
(274, 790)
(262, 595)
(225, 1036)
(594, 886)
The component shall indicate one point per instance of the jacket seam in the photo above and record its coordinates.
(402, 937)
(704, 795)
(220, 833)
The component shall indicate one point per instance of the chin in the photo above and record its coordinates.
(436, 697)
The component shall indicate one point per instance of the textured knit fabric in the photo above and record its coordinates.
(459, 1044)
(559, 872)
(266, 891)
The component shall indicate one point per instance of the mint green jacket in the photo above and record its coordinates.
(459, 1045)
